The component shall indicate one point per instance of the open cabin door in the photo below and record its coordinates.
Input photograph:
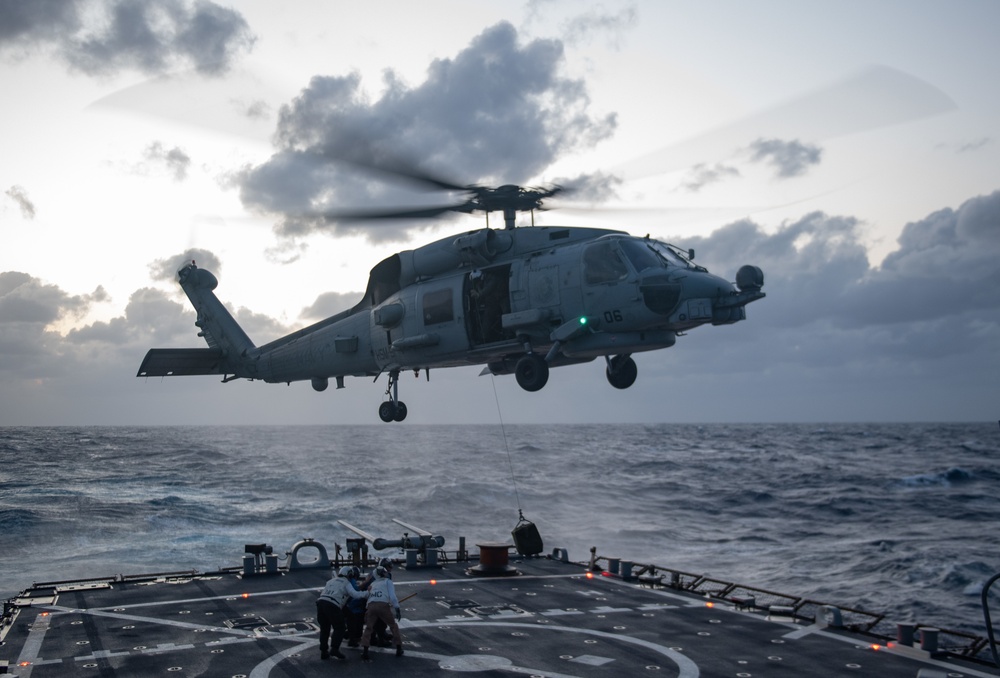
(487, 299)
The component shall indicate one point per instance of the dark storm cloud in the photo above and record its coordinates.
(28, 307)
(789, 158)
(24, 22)
(103, 37)
(929, 309)
(20, 196)
(945, 266)
(175, 160)
(166, 269)
(498, 112)
(26, 299)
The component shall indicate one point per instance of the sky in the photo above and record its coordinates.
(850, 149)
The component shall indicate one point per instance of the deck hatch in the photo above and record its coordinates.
(250, 621)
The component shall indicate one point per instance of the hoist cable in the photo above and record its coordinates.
(510, 461)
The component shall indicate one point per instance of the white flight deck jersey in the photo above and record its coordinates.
(338, 590)
(382, 591)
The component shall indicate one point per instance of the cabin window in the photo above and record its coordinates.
(438, 307)
(603, 263)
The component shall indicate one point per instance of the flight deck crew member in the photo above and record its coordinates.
(380, 634)
(330, 615)
(354, 612)
(382, 602)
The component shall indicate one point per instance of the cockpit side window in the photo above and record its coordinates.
(603, 263)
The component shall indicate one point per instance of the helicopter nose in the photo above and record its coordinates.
(660, 293)
(731, 308)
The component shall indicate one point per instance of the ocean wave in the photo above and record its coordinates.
(15, 522)
(947, 478)
(850, 512)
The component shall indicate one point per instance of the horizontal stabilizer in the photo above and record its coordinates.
(170, 362)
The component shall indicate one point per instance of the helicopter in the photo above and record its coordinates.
(518, 300)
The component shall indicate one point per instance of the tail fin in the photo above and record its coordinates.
(218, 327)
(230, 350)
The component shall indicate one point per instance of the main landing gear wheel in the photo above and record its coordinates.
(393, 409)
(531, 372)
(388, 412)
(621, 371)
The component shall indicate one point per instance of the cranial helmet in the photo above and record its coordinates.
(346, 571)
(386, 563)
(380, 572)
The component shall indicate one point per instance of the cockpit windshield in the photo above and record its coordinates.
(647, 253)
(671, 254)
(640, 255)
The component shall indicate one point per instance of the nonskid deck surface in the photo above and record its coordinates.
(553, 620)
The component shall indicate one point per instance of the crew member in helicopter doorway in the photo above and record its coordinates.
(382, 601)
(330, 614)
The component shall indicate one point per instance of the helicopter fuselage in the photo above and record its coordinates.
(518, 301)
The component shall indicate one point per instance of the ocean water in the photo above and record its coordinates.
(895, 518)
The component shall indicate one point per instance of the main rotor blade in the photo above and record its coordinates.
(877, 97)
(370, 156)
(407, 213)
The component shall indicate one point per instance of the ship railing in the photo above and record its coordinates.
(871, 624)
(115, 579)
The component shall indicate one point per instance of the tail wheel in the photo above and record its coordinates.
(531, 372)
(621, 371)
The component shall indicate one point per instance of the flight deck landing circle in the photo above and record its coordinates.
(686, 667)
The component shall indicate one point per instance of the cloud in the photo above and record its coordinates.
(20, 196)
(702, 175)
(596, 187)
(175, 159)
(598, 22)
(498, 112)
(835, 339)
(330, 303)
(103, 37)
(257, 109)
(28, 309)
(789, 158)
(974, 145)
(25, 299)
(929, 308)
(166, 269)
